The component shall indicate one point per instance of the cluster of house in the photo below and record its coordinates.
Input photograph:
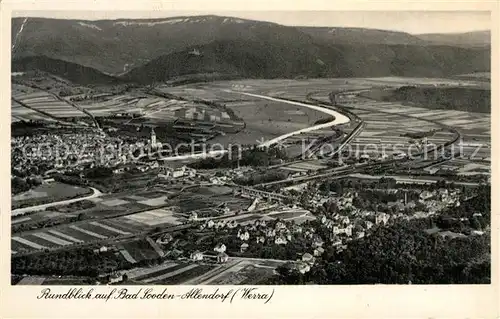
(435, 201)
(83, 149)
(262, 232)
(170, 171)
(226, 176)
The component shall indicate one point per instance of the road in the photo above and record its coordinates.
(339, 118)
(24, 210)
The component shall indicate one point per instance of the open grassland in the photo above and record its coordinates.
(47, 193)
(448, 98)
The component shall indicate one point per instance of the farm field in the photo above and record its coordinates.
(153, 109)
(267, 119)
(170, 273)
(160, 216)
(263, 119)
(21, 113)
(88, 231)
(378, 116)
(148, 215)
(138, 250)
(111, 105)
(386, 129)
(239, 271)
(74, 233)
(462, 166)
(235, 271)
(42, 101)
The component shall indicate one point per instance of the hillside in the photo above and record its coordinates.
(73, 72)
(115, 46)
(236, 58)
(263, 60)
(468, 39)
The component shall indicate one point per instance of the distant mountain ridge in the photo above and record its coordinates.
(362, 36)
(142, 50)
(259, 60)
(466, 39)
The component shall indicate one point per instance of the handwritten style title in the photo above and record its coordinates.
(229, 295)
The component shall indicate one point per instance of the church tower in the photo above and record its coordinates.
(153, 138)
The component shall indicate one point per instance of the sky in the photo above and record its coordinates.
(414, 22)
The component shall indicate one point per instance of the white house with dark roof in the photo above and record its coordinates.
(220, 248)
(196, 256)
(280, 240)
(308, 258)
(222, 257)
(243, 247)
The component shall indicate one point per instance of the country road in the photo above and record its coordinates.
(30, 209)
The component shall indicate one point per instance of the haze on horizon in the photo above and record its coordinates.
(413, 22)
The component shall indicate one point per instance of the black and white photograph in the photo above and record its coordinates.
(250, 148)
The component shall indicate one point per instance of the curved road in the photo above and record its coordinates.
(30, 209)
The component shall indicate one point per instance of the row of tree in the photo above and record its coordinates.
(19, 185)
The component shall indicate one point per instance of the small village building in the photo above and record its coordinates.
(303, 267)
(308, 258)
(193, 216)
(115, 277)
(270, 232)
(319, 251)
(210, 223)
(243, 247)
(426, 195)
(348, 230)
(317, 241)
(165, 239)
(280, 240)
(220, 248)
(196, 256)
(232, 224)
(222, 257)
